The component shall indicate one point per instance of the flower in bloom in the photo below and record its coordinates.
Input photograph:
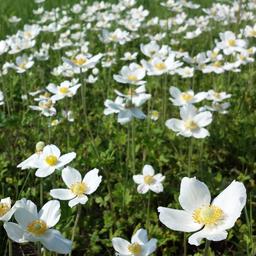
(184, 98)
(192, 122)
(22, 63)
(210, 219)
(139, 245)
(6, 209)
(34, 226)
(217, 96)
(78, 188)
(132, 74)
(66, 89)
(149, 180)
(51, 159)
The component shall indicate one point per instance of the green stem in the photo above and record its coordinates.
(148, 212)
(190, 151)
(206, 248)
(41, 192)
(75, 224)
(133, 147)
(10, 247)
(185, 244)
(38, 249)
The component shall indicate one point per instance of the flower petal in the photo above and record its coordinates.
(14, 232)
(71, 176)
(62, 194)
(148, 170)
(50, 213)
(92, 180)
(78, 200)
(65, 159)
(178, 220)
(193, 194)
(121, 245)
(231, 200)
(54, 241)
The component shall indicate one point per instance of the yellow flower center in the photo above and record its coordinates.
(135, 248)
(208, 215)
(51, 160)
(148, 179)
(232, 42)
(79, 188)
(27, 34)
(217, 64)
(252, 33)
(79, 61)
(4, 208)
(22, 66)
(217, 95)
(37, 227)
(186, 96)
(191, 125)
(63, 90)
(160, 66)
(155, 114)
(132, 78)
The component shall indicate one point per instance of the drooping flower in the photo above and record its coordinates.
(34, 226)
(149, 180)
(139, 245)
(78, 188)
(192, 122)
(209, 219)
(6, 209)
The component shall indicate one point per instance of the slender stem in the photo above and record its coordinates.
(206, 248)
(10, 247)
(133, 146)
(24, 183)
(38, 249)
(190, 151)
(148, 212)
(79, 209)
(41, 192)
(185, 244)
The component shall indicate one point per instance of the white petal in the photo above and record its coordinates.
(143, 188)
(231, 200)
(121, 245)
(193, 194)
(92, 180)
(24, 217)
(78, 200)
(71, 176)
(140, 236)
(54, 241)
(50, 213)
(178, 220)
(203, 119)
(51, 150)
(45, 171)
(188, 112)
(150, 246)
(138, 179)
(175, 92)
(148, 170)
(62, 194)
(27, 204)
(14, 232)
(65, 159)
(175, 124)
(157, 187)
(200, 133)
(197, 237)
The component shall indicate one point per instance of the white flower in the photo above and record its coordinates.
(185, 72)
(216, 106)
(217, 96)
(45, 106)
(6, 209)
(250, 31)
(3, 47)
(132, 74)
(22, 63)
(66, 89)
(136, 97)
(14, 19)
(192, 123)
(126, 111)
(37, 227)
(139, 246)
(184, 98)
(129, 56)
(50, 160)
(230, 44)
(210, 219)
(149, 180)
(78, 188)
(151, 49)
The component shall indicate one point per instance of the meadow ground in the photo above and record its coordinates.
(180, 52)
